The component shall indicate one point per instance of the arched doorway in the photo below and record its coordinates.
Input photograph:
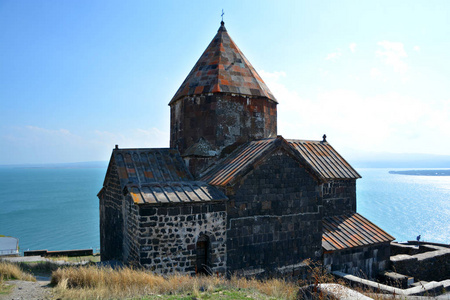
(202, 248)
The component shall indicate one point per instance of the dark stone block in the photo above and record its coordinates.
(146, 261)
(186, 210)
(162, 211)
(174, 211)
(148, 211)
(218, 207)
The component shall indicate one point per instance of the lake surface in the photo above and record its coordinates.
(57, 209)
(54, 209)
(405, 205)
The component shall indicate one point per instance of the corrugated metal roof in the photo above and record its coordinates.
(319, 157)
(324, 159)
(154, 176)
(351, 230)
(223, 68)
(174, 192)
(239, 161)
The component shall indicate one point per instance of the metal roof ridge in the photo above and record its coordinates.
(308, 159)
(246, 159)
(229, 158)
(302, 140)
(344, 160)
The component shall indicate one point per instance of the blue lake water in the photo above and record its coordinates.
(405, 205)
(57, 209)
(54, 209)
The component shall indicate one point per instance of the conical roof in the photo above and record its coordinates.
(223, 68)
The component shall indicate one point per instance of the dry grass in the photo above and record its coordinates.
(13, 271)
(58, 258)
(39, 267)
(76, 259)
(106, 283)
(277, 288)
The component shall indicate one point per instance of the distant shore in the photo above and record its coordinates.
(423, 172)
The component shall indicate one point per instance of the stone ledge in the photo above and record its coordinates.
(430, 287)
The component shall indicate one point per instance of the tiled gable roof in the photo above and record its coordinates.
(223, 68)
(154, 176)
(325, 160)
(351, 230)
(140, 166)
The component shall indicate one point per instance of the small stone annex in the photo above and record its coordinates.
(230, 195)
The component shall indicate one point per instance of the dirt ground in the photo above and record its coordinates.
(28, 290)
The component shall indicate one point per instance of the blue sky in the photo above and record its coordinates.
(78, 77)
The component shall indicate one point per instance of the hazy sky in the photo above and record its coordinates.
(78, 77)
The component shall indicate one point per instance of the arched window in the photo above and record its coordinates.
(202, 248)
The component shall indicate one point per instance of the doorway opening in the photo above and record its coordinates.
(202, 248)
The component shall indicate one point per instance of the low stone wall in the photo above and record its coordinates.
(366, 262)
(409, 248)
(430, 289)
(428, 266)
(69, 253)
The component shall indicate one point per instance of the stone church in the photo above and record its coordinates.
(230, 195)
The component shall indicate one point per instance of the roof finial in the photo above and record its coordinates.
(222, 16)
(324, 138)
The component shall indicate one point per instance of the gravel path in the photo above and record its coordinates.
(27, 290)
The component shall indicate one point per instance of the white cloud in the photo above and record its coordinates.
(43, 145)
(273, 76)
(387, 122)
(416, 48)
(39, 130)
(48, 137)
(323, 72)
(352, 47)
(333, 56)
(134, 138)
(393, 54)
(375, 73)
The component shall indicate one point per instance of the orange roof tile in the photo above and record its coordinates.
(223, 68)
(351, 230)
(159, 175)
(325, 160)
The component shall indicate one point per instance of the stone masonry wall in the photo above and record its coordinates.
(366, 262)
(339, 197)
(131, 232)
(111, 219)
(221, 119)
(168, 235)
(429, 266)
(274, 218)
